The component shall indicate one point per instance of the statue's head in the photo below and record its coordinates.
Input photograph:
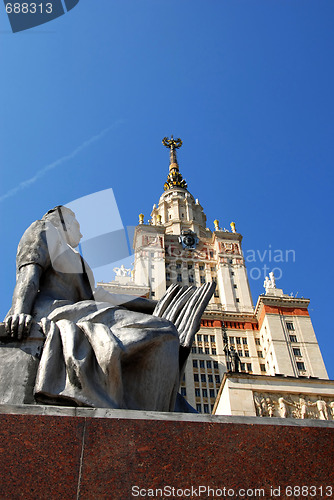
(64, 219)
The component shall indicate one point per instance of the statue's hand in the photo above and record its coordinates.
(18, 325)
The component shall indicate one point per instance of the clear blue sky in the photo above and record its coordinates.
(248, 86)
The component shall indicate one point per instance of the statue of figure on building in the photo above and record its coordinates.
(269, 282)
(282, 407)
(235, 360)
(302, 407)
(96, 348)
(270, 407)
(331, 406)
(321, 407)
(121, 271)
(258, 405)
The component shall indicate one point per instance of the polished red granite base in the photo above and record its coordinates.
(45, 457)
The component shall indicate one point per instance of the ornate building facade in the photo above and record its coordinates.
(273, 339)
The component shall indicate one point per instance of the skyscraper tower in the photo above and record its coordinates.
(176, 246)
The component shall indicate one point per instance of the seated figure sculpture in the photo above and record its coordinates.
(98, 349)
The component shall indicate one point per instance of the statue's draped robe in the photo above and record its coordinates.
(95, 354)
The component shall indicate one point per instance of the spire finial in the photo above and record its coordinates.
(174, 178)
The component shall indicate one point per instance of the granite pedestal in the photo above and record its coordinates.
(68, 453)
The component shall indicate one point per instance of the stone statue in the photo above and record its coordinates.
(272, 280)
(321, 407)
(282, 407)
(121, 271)
(235, 360)
(269, 282)
(331, 405)
(96, 349)
(270, 407)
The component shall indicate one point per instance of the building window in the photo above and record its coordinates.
(214, 351)
(232, 273)
(193, 350)
(260, 354)
(201, 363)
(203, 377)
(263, 367)
(242, 367)
(212, 393)
(296, 351)
(217, 377)
(257, 342)
(213, 269)
(152, 294)
(235, 286)
(197, 393)
(249, 367)
(199, 336)
(244, 341)
(196, 377)
(238, 340)
(178, 266)
(300, 366)
(207, 350)
(190, 266)
(289, 325)
(206, 408)
(191, 279)
(231, 339)
(206, 338)
(179, 277)
(240, 352)
(210, 379)
(212, 338)
(237, 300)
(215, 365)
(152, 280)
(199, 408)
(195, 363)
(293, 338)
(202, 279)
(183, 391)
(209, 364)
(214, 279)
(230, 261)
(205, 393)
(211, 254)
(246, 354)
(201, 267)
(216, 294)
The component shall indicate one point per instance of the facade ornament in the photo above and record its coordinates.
(174, 178)
(216, 224)
(233, 227)
(141, 218)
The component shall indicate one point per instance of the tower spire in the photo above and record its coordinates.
(174, 178)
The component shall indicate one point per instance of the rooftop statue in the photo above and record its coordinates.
(95, 348)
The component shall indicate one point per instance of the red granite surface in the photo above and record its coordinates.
(68, 458)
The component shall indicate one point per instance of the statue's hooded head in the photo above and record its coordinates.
(63, 218)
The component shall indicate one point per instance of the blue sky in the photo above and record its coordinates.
(247, 85)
